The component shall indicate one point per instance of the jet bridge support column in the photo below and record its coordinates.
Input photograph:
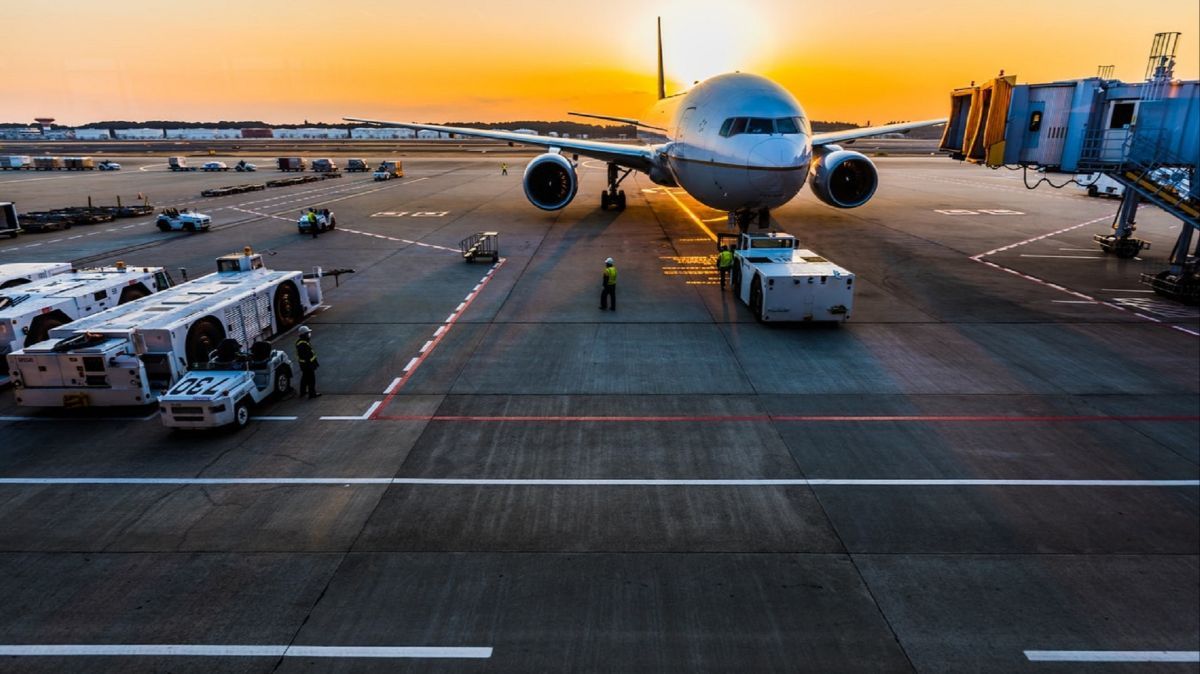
(1121, 242)
(1181, 280)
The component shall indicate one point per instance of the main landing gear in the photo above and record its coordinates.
(612, 196)
(742, 219)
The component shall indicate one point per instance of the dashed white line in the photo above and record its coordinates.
(1113, 656)
(392, 386)
(411, 364)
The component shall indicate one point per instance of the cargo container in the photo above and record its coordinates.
(10, 224)
(291, 163)
(179, 164)
(15, 162)
(357, 166)
(47, 163)
(79, 163)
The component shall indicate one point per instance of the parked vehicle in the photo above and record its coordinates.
(357, 166)
(215, 166)
(108, 165)
(221, 392)
(324, 166)
(389, 169)
(179, 164)
(244, 166)
(291, 163)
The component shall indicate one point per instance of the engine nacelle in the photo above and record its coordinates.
(550, 181)
(842, 178)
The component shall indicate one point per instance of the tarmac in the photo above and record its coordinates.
(993, 466)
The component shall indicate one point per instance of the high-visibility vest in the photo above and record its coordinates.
(724, 259)
(304, 352)
(610, 276)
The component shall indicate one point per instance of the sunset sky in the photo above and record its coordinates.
(286, 61)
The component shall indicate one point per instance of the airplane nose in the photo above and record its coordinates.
(768, 165)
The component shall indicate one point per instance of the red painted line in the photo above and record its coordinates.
(793, 417)
(439, 335)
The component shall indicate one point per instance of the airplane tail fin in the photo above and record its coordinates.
(662, 86)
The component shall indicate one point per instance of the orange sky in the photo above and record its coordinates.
(461, 60)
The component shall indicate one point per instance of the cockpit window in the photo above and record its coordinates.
(763, 125)
(760, 125)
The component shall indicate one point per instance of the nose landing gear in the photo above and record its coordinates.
(612, 196)
(741, 219)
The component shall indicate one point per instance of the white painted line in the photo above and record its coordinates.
(551, 482)
(357, 418)
(439, 331)
(273, 418)
(460, 307)
(1074, 301)
(392, 386)
(1067, 257)
(231, 650)
(410, 365)
(1183, 329)
(1113, 656)
(371, 410)
(362, 417)
(450, 318)
(1125, 290)
(425, 346)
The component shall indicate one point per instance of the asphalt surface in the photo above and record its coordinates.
(995, 458)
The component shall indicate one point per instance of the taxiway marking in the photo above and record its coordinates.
(361, 417)
(693, 216)
(586, 482)
(1113, 656)
(428, 347)
(237, 650)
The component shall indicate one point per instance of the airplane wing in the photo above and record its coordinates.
(852, 134)
(639, 157)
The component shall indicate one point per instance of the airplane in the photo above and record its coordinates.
(736, 142)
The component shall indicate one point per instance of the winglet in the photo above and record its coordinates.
(662, 86)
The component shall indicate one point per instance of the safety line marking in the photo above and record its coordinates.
(233, 650)
(585, 482)
(392, 386)
(793, 417)
(438, 336)
(408, 241)
(274, 418)
(1113, 656)
(361, 417)
(698, 221)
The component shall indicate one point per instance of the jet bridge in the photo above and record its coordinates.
(1144, 135)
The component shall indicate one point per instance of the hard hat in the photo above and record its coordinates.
(609, 261)
(304, 330)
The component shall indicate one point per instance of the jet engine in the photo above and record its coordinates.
(550, 181)
(842, 178)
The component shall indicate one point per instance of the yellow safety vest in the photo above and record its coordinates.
(724, 259)
(610, 276)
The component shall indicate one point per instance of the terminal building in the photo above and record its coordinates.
(1143, 135)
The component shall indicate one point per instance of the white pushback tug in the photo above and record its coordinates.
(780, 281)
(222, 391)
(132, 354)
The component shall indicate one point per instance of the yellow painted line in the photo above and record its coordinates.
(692, 215)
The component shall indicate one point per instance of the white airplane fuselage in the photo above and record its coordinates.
(731, 171)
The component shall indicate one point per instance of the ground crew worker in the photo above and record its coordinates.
(503, 169)
(307, 357)
(609, 288)
(724, 264)
(312, 223)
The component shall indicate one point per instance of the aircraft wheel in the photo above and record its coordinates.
(604, 201)
(621, 200)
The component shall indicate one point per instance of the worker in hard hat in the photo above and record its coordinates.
(503, 168)
(724, 264)
(609, 288)
(307, 357)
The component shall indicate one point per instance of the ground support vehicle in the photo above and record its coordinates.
(175, 220)
(20, 273)
(10, 224)
(15, 162)
(244, 166)
(325, 221)
(107, 165)
(179, 164)
(481, 244)
(291, 163)
(64, 218)
(357, 166)
(79, 163)
(389, 169)
(214, 166)
(134, 353)
(29, 312)
(48, 164)
(324, 166)
(222, 391)
(781, 282)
